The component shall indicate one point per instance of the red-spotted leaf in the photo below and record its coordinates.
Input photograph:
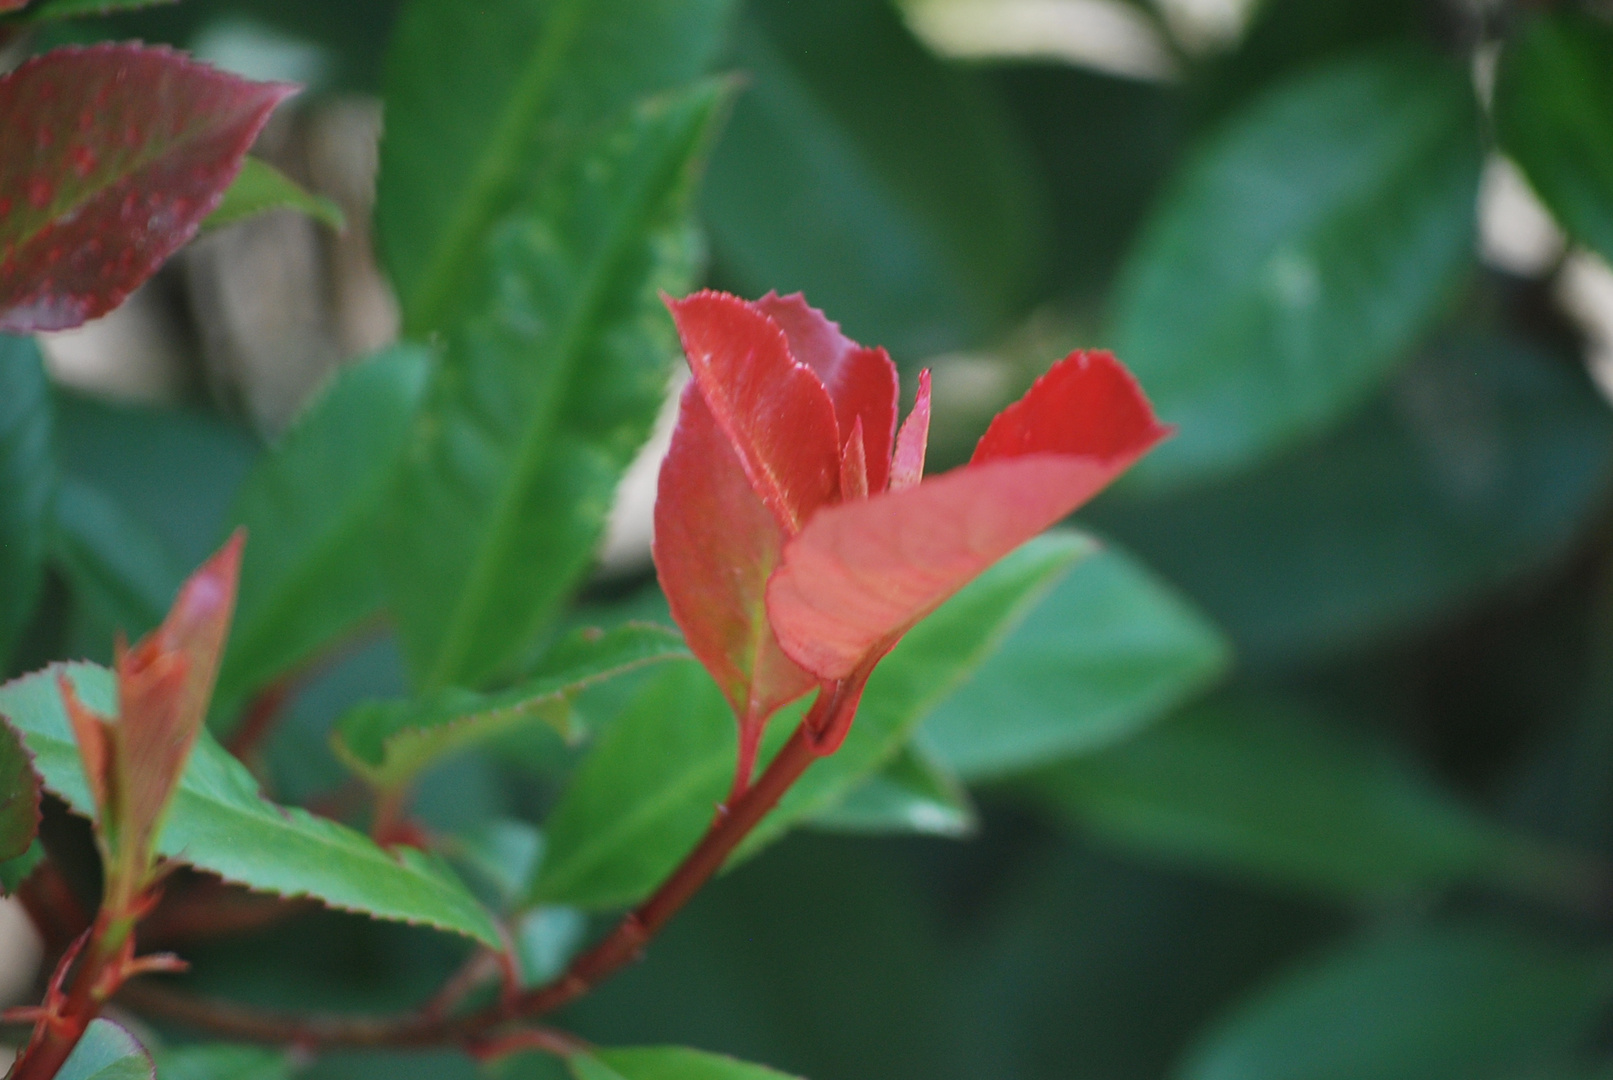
(773, 409)
(110, 157)
(715, 545)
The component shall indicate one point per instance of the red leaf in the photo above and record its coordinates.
(907, 466)
(715, 545)
(1087, 403)
(110, 157)
(774, 411)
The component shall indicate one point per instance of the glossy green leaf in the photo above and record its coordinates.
(260, 187)
(389, 743)
(1464, 1002)
(912, 794)
(311, 508)
(222, 1061)
(665, 1063)
(1554, 115)
(648, 789)
(891, 189)
(1110, 650)
(27, 479)
(481, 99)
(1266, 789)
(1480, 465)
(1298, 256)
(118, 567)
(220, 823)
(19, 796)
(544, 396)
(107, 1052)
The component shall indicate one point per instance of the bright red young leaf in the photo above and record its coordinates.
(110, 157)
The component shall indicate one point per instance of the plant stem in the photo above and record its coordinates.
(94, 978)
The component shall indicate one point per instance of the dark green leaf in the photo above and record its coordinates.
(665, 1063)
(222, 1061)
(1448, 1003)
(1266, 789)
(1110, 650)
(260, 187)
(27, 478)
(107, 1052)
(544, 396)
(13, 872)
(119, 569)
(19, 796)
(310, 508)
(857, 168)
(389, 743)
(47, 10)
(218, 822)
(479, 100)
(1554, 114)
(910, 795)
(1298, 256)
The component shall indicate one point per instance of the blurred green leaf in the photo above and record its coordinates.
(665, 1063)
(107, 1052)
(220, 823)
(546, 938)
(1111, 649)
(1265, 789)
(119, 569)
(1444, 1003)
(544, 396)
(13, 872)
(1554, 116)
(1298, 256)
(47, 10)
(910, 795)
(27, 482)
(19, 796)
(481, 99)
(260, 187)
(1482, 462)
(311, 508)
(222, 1061)
(892, 190)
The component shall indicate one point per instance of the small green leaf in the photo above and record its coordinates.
(1299, 256)
(260, 187)
(389, 743)
(310, 507)
(665, 1063)
(219, 822)
(27, 480)
(910, 795)
(1111, 649)
(107, 1052)
(222, 1061)
(19, 796)
(1554, 115)
(1445, 1003)
(120, 570)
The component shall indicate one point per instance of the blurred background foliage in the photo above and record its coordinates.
(1308, 774)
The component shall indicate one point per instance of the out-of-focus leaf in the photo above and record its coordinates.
(13, 872)
(858, 169)
(260, 187)
(1446, 1003)
(1111, 649)
(1481, 463)
(1554, 114)
(107, 1052)
(910, 795)
(122, 571)
(546, 938)
(389, 743)
(1266, 789)
(545, 394)
(665, 1063)
(311, 508)
(48, 10)
(19, 796)
(1298, 256)
(147, 142)
(641, 799)
(480, 101)
(220, 823)
(222, 1061)
(27, 480)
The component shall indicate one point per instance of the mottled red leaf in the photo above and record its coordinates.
(774, 411)
(110, 157)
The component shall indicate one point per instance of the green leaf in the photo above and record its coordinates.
(222, 1061)
(1482, 464)
(27, 479)
(893, 190)
(107, 1052)
(1445, 1003)
(546, 938)
(1554, 116)
(665, 1063)
(260, 187)
(480, 101)
(48, 10)
(1298, 256)
(641, 799)
(910, 795)
(544, 396)
(1110, 650)
(311, 508)
(19, 796)
(13, 872)
(218, 822)
(119, 568)
(1264, 788)
(389, 743)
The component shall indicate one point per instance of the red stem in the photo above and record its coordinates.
(97, 971)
